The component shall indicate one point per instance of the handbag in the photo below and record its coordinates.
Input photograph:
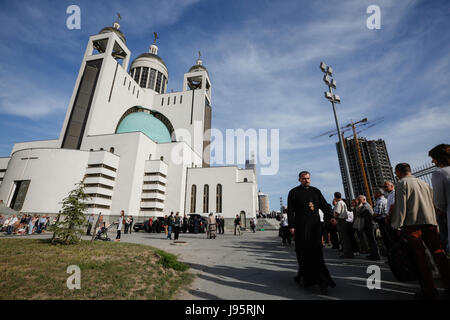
(401, 261)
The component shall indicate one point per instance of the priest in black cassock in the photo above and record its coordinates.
(304, 203)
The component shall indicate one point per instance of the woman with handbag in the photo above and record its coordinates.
(358, 226)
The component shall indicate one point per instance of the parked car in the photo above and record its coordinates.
(203, 222)
(140, 226)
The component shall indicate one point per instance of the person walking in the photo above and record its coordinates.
(414, 215)
(212, 226)
(170, 221)
(351, 231)
(150, 224)
(340, 214)
(131, 224)
(196, 224)
(237, 225)
(286, 234)
(440, 180)
(222, 224)
(127, 224)
(177, 225)
(218, 224)
(304, 202)
(252, 225)
(380, 215)
(90, 222)
(120, 223)
(365, 212)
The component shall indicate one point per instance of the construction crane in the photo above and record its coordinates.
(352, 126)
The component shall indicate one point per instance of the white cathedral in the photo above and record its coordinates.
(125, 135)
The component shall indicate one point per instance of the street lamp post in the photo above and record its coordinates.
(330, 96)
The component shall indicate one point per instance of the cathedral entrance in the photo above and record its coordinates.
(243, 221)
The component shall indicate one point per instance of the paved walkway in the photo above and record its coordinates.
(254, 266)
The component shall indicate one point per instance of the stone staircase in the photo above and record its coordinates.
(267, 224)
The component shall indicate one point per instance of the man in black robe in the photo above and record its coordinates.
(304, 203)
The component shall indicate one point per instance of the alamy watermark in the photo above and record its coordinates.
(74, 281)
(374, 20)
(73, 21)
(232, 148)
(374, 280)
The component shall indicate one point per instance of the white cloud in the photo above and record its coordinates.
(21, 96)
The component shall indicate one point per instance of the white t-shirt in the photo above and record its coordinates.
(284, 220)
(349, 216)
(341, 209)
(119, 225)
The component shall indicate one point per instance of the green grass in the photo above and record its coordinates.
(36, 269)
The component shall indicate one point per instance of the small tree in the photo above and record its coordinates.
(68, 230)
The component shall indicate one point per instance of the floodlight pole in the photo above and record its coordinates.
(341, 142)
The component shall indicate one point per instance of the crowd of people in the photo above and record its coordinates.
(24, 224)
(409, 210)
(173, 225)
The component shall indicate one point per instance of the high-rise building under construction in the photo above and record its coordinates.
(376, 163)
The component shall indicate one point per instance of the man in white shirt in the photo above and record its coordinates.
(389, 189)
(11, 224)
(340, 213)
(390, 197)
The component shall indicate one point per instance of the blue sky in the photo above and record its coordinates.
(263, 59)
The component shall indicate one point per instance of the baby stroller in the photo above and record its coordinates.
(102, 233)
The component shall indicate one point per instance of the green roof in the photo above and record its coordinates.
(147, 124)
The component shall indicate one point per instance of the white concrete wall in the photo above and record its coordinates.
(53, 174)
(35, 144)
(236, 196)
(176, 173)
(133, 149)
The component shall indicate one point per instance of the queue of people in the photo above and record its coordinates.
(26, 224)
(409, 209)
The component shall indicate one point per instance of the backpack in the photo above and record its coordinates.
(401, 261)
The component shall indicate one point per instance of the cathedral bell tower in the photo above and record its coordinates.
(197, 80)
(105, 52)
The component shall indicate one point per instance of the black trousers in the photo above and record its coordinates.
(118, 235)
(386, 233)
(345, 238)
(88, 232)
(370, 235)
(351, 235)
(176, 231)
(286, 235)
(126, 227)
(333, 235)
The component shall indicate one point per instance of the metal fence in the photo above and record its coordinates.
(424, 172)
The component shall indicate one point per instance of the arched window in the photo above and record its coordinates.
(245, 180)
(193, 197)
(111, 149)
(205, 198)
(219, 198)
(162, 158)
